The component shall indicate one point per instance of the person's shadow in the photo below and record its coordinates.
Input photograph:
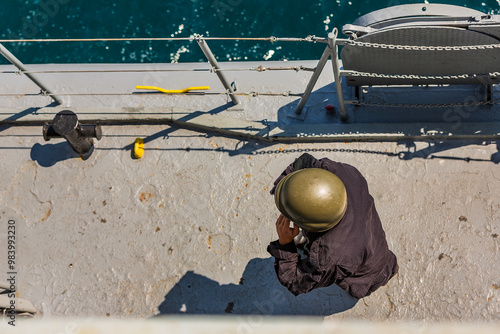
(258, 293)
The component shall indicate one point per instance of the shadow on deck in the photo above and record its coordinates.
(258, 293)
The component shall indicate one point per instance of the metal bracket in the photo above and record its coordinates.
(331, 50)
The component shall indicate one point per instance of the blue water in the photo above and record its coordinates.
(35, 19)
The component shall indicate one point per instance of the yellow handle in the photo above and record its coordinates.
(173, 91)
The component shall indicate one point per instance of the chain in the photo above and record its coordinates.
(422, 47)
(416, 76)
(425, 77)
(436, 105)
(337, 150)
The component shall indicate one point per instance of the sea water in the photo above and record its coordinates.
(62, 19)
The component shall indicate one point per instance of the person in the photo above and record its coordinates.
(345, 243)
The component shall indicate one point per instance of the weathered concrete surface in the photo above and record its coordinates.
(232, 325)
(184, 229)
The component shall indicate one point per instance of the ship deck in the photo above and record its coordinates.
(184, 229)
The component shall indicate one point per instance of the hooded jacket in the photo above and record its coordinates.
(353, 254)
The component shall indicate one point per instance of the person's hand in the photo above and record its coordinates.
(285, 233)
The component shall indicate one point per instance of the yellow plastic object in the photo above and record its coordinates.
(138, 148)
(173, 91)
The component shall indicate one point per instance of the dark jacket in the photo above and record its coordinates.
(353, 254)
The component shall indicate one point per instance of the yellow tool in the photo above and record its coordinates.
(173, 91)
(138, 148)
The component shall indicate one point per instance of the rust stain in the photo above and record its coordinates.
(249, 157)
(247, 176)
(496, 287)
(281, 149)
(209, 242)
(237, 198)
(145, 197)
(47, 215)
(265, 188)
(157, 229)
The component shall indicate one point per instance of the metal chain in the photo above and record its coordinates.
(337, 150)
(436, 105)
(422, 47)
(416, 76)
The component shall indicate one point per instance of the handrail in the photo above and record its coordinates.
(198, 38)
(17, 63)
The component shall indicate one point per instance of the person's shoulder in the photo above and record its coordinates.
(347, 173)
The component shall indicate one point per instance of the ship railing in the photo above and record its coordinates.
(331, 51)
(201, 41)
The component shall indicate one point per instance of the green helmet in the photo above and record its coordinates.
(313, 198)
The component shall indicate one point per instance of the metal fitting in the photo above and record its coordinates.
(79, 136)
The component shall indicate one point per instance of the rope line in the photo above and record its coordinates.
(253, 94)
(310, 38)
(256, 69)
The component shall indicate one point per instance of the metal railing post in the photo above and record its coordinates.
(332, 38)
(313, 80)
(211, 59)
(17, 63)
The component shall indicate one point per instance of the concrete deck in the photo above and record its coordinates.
(184, 230)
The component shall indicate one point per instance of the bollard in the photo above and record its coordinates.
(79, 136)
